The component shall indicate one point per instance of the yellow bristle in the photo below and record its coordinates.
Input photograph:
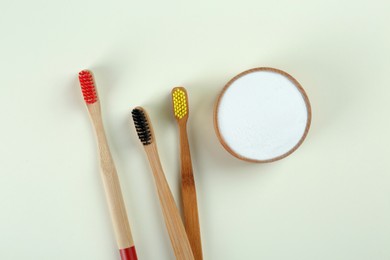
(179, 103)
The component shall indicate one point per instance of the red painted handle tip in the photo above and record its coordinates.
(128, 253)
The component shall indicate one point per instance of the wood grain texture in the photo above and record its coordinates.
(188, 193)
(188, 187)
(177, 234)
(111, 182)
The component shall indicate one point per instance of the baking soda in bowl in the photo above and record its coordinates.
(262, 115)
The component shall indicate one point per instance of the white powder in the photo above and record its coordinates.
(262, 115)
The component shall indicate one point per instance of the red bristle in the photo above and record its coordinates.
(88, 86)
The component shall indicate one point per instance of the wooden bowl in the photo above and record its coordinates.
(303, 126)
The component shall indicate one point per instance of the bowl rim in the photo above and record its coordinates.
(230, 82)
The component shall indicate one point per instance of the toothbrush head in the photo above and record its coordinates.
(88, 88)
(142, 125)
(180, 103)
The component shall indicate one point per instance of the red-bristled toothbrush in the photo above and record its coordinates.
(108, 172)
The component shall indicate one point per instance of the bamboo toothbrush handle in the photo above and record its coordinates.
(189, 201)
(173, 222)
(112, 188)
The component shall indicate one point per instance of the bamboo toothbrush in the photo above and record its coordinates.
(173, 222)
(108, 171)
(188, 190)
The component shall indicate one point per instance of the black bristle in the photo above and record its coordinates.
(142, 126)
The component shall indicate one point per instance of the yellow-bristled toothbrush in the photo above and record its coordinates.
(189, 201)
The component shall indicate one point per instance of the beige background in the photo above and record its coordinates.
(329, 200)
